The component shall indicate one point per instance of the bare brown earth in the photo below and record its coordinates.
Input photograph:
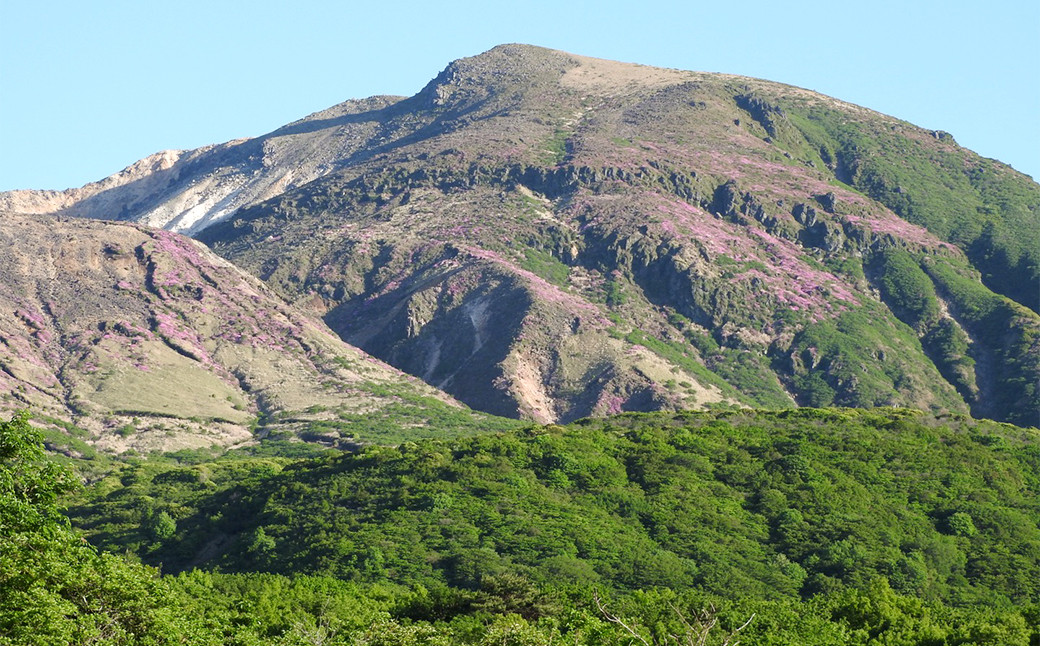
(146, 340)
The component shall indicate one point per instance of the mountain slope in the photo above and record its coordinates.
(143, 339)
(551, 236)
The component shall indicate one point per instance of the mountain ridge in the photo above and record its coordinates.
(163, 189)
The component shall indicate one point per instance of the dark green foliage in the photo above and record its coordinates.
(157, 489)
(734, 516)
(55, 589)
(29, 485)
(411, 417)
(781, 505)
(997, 368)
(1006, 337)
(159, 526)
(949, 347)
(615, 292)
(907, 289)
(862, 359)
(748, 372)
(272, 609)
(961, 524)
(545, 265)
(815, 389)
(257, 608)
(911, 295)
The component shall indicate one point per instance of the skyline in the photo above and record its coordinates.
(86, 90)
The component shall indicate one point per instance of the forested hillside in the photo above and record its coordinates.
(838, 526)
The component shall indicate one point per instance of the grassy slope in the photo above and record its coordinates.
(981, 205)
(136, 339)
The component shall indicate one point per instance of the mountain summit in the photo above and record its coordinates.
(550, 236)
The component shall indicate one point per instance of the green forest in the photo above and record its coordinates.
(807, 526)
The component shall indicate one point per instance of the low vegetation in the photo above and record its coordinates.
(828, 526)
(982, 206)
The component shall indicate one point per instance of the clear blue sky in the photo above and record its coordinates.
(87, 88)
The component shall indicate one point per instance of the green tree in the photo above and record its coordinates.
(55, 589)
(29, 485)
(961, 524)
(160, 526)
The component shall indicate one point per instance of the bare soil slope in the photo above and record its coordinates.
(146, 340)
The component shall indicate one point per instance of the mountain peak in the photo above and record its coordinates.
(506, 70)
(520, 68)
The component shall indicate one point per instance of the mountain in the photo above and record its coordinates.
(551, 236)
(135, 338)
